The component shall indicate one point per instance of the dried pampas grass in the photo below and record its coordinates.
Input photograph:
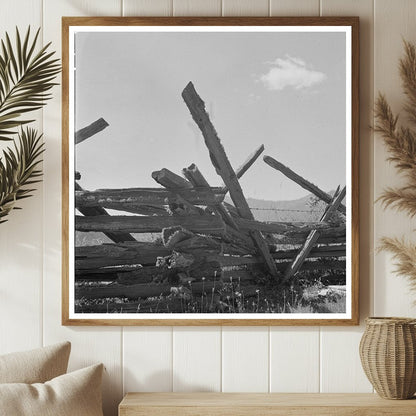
(404, 254)
(401, 143)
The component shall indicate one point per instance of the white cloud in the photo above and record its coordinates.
(292, 73)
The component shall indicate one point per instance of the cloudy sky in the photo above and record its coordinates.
(283, 90)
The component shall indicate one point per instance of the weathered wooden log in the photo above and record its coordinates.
(314, 235)
(135, 253)
(90, 130)
(317, 252)
(203, 224)
(239, 239)
(170, 180)
(138, 290)
(251, 272)
(336, 230)
(146, 274)
(325, 238)
(117, 236)
(198, 243)
(305, 184)
(100, 277)
(110, 270)
(194, 175)
(174, 235)
(132, 199)
(153, 290)
(91, 257)
(338, 250)
(174, 183)
(248, 163)
(285, 228)
(223, 167)
(173, 276)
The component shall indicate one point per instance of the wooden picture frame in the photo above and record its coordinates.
(193, 272)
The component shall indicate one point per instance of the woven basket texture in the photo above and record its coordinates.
(388, 356)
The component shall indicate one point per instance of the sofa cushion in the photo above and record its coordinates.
(35, 366)
(73, 394)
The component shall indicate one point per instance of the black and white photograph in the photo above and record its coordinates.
(210, 172)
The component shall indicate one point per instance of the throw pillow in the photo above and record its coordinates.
(35, 366)
(73, 394)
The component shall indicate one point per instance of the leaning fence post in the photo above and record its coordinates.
(224, 169)
(313, 236)
(304, 183)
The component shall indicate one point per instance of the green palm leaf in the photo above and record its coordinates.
(26, 78)
(19, 170)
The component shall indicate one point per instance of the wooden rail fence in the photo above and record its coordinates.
(185, 234)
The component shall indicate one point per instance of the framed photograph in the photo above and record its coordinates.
(210, 171)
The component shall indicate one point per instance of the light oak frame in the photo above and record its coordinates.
(353, 22)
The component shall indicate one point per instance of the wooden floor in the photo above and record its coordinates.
(263, 404)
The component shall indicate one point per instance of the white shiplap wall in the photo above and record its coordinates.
(305, 359)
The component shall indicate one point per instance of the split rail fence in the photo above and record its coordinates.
(203, 241)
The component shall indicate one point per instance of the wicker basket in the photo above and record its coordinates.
(388, 356)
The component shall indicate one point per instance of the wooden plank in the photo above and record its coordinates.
(392, 24)
(147, 7)
(295, 8)
(245, 8)
(197, 7)
(245, 359)
(91, 130)
(131, 199)
(342, 374)
(314, 236)
(274, 404)
(223, 166)
(147, 359)
(22, 252)
(90, 345)
(294, 351)
(304, 183)
(191, 372)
